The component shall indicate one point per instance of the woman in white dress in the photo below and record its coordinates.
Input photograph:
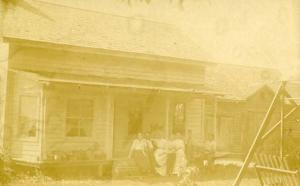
(139, 154)
(180, 162)
(160, 156)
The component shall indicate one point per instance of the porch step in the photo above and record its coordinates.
(125, 168)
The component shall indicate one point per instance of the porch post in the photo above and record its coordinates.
(167, 121)
(4, 95)
(42, 124)
(216, 121)
(109, 126)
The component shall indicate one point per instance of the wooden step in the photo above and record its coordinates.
(125, 168)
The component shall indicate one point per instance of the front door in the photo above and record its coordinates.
(128, 121)
(137, 113)
(225, 133)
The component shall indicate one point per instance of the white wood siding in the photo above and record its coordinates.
(195, 118)
(55, 131)
(23, 148)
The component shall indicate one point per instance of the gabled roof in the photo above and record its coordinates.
(77, 27)
(293, 90)
(240, 82)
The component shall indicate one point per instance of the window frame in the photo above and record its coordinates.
(19, 132)
(174, 111)
(92, 118)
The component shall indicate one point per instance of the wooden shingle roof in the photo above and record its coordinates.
(77, 27)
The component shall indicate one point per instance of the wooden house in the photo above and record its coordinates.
(81, 89)
(240, 85)
(80, 85)
(240, 114)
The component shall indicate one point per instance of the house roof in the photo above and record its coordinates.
(293, 90)
(240, 82)
(77, 27)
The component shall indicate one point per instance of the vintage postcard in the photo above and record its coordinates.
(149, 92)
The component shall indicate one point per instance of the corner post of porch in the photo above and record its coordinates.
(109, 125)
(4, 94)
(42, 126)
(167, 121)
(216, 121)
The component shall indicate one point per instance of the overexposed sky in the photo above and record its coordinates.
(251, 32)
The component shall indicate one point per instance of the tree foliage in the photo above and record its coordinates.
(130, 2)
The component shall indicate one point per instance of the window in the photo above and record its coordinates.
(79, 117)
(179, 117)
(28, 116)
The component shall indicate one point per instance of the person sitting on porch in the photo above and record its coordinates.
(150, 152)
(189, 147)
(171, 156)
(210, 149)
(160, 155)
(180, 161)
(138, 153)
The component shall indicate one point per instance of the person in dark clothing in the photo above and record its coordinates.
(149, 149)
(189, 147)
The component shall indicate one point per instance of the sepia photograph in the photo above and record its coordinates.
(149, 92)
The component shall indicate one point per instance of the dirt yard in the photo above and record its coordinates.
(222, 175)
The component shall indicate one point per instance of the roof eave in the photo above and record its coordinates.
(86, 49)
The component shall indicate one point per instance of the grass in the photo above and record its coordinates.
(222, 175)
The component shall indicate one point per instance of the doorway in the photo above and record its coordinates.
(136, 113)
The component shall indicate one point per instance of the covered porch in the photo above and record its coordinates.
(85, 116)
(82, 119)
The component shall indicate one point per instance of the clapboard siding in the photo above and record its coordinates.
(23, 148)
(246, 117)
(56, 104)
(194, 118)
(209, 117)
(230, 123)
(106, 66)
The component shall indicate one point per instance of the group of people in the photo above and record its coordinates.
(167, 157)
(159, 156)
